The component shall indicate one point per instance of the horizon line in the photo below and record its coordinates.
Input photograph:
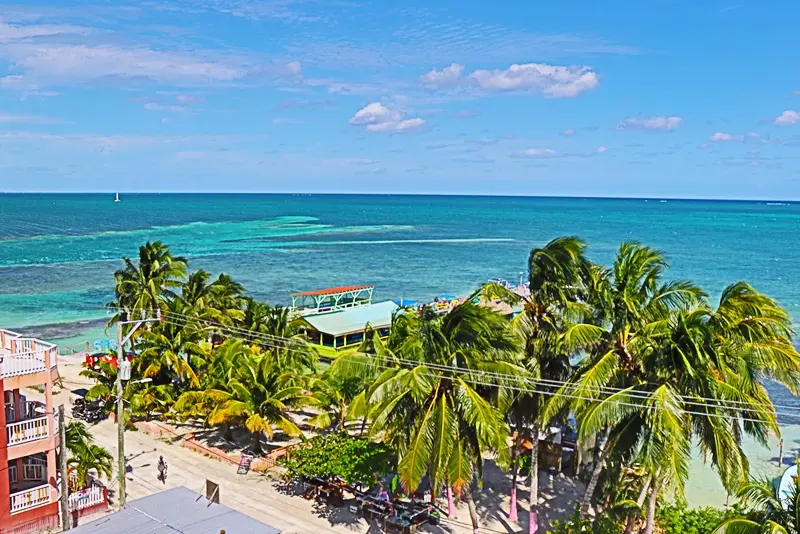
(462, 195)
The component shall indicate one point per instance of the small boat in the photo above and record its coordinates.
(116, 198)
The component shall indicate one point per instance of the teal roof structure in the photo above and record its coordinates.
(378, 315)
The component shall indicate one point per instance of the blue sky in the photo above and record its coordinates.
(616, 98)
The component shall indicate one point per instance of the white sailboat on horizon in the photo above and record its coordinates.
(116, 198)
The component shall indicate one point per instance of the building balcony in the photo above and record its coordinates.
(21, 356)
(35, 497)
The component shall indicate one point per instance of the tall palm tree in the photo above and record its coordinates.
(147, 284)
(626, 302)
(552, 330)
(168, 350)
(258, 395)
(682, 370)
(440, 421)
(769, 511)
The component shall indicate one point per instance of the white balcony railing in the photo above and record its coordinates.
(12, 473)
(20, 355)
(86, 498)
(32, 498)
(25, 431)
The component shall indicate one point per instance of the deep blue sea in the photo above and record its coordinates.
(58, 252)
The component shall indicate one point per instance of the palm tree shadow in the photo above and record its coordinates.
(556, 503)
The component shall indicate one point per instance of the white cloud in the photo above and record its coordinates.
(754, 135)
(154, 106)
(441, 78)
(568, 133)
(662, 124)
(13, 32)
(11, 118)
(551, 80)
(787, 118)
(601, 149)
(376, 117)
(537, 153)
(725, 137)
(189, 99)
(555, 81)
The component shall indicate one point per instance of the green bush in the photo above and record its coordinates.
(353, 459)
(603, 524)
(677, 519)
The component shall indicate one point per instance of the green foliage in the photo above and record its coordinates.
(677, 519)
(353, 459)
(603, 524)
(85, 455)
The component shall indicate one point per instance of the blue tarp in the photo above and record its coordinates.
(406, 303)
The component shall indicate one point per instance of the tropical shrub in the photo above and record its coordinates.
(353, 459)
(678, 519)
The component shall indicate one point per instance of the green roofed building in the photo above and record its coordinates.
(345, 328)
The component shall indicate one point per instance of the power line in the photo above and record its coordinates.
(477, 380)
(745, 405)
(276, 342)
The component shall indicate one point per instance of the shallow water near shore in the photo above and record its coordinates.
(58, 253)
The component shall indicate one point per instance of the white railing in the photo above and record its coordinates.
(12, 473)
(35, 472)
(21, 355)
(32, 498)
(86, 498)
(25, 431)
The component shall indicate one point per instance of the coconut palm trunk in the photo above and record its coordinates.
(651, 508)
(533, 510)
(597, 470)
(473, 511)
(629, 523)
(512, 512)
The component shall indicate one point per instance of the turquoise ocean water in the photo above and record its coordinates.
(58, 252)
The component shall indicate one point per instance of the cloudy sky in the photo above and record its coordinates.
(617, 98)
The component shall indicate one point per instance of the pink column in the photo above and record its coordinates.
(450, 508)
(533, 527)
(512, 513)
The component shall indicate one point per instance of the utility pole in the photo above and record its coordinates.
(62, 434)
(120, 422)
(123, 368)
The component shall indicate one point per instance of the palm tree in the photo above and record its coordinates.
(440, 421)
(85, 455)
(552, 331)
(770, 512)
(105, 378)
(681, 370)
(168, 349)
(77, 436)
(625, 302)
(146, 285)
(88, 458)
(258, 395)
(332, 395)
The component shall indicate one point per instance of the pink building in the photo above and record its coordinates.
(28, 436)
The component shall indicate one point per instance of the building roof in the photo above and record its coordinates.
(330, 291)
(378, 315)
(175, 510)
